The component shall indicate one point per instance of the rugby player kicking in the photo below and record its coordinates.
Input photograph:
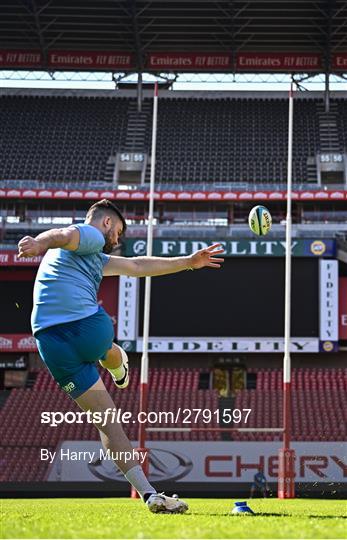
(73, 332)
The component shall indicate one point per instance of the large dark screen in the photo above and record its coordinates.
(243, 299)
(16, 300)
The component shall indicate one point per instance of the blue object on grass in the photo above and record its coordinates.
(242, 508)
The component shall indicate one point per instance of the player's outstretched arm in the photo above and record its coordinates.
(159, 266)
(67, 238)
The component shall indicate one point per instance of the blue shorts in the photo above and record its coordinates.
(70, 350)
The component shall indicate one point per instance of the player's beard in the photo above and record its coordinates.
(109, 245)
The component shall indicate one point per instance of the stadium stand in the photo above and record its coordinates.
(59, 138)
(319, 404)
(204, 140)
(233, 140)
(341, 113)
(319, 412)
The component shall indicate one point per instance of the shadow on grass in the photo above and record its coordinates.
(257, 514)
(273, 514)
(315, 516)
(326, 517)
(208, 514)
(266, 514)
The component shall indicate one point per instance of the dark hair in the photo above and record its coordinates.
(100, 208)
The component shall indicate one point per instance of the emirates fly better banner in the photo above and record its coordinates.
(79, 60)
(249, 61)
(171, 61)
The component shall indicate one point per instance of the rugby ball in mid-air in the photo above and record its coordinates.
(260, 220)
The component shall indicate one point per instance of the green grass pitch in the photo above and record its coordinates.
(207, 518)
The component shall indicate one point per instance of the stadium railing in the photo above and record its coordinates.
(182, 186)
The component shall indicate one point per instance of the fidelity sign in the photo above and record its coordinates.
(127, 308)
(228, 345)
(234, 248)
(329, 303)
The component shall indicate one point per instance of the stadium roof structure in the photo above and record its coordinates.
(175, 35)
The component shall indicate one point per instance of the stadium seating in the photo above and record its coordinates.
(342, 122)
(61, 139)
(319, 405)
(233, 140)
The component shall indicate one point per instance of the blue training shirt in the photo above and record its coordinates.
(67, 282)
